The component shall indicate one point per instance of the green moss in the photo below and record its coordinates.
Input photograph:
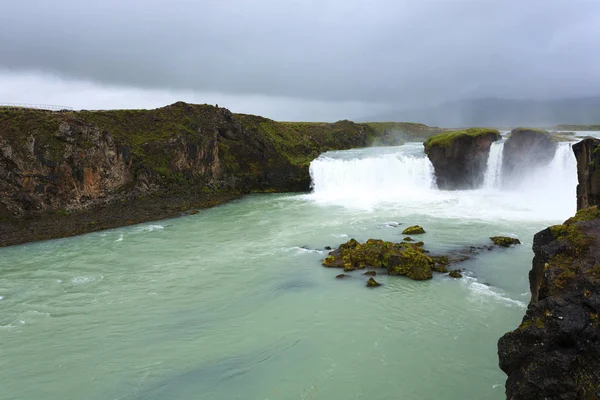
(372, 283)
(537, 323)
(446, 139)
(413, 230)
(504, 241)
(586, 214)
(455, 274)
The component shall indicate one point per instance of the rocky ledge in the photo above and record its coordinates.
(459, 158)
(66, 173)
(555, 352)
(587, 153)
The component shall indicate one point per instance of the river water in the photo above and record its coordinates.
(232, 303)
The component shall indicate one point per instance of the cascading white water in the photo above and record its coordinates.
(494, 166)
(371, 178)
(403, 177)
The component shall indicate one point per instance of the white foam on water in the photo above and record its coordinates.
(484, 292)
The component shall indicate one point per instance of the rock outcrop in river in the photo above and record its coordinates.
(555, 352)
(65, 173)
(459, 158)
(587, 153)
(526, 149)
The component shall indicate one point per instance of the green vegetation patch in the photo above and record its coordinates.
(446, 139)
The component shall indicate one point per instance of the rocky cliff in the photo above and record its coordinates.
(555, 352)
(64, 173)
(459, 158)
(526, 149)
(587, 153)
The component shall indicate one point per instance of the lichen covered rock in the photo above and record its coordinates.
(372, 283)
(459, 158)
(555, 352)
(413, 230)
(455, 274)
(397, 258)
(504, 241)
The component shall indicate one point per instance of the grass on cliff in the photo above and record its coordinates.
(446, 139)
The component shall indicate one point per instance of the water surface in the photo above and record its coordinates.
(232, 303)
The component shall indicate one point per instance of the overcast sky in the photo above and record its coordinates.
(296, 59)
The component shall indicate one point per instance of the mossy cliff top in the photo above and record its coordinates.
(446, 139)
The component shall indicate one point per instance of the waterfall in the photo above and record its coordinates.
(494, 166)
(372, 177)
(402, 177)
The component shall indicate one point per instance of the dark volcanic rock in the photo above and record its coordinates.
(587, 154)
(460, 158)
(555, 352)
(524, 150)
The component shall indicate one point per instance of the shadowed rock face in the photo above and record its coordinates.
(555, 352)
(524, 150)
(460, 158)
(588, 172)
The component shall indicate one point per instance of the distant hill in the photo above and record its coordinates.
(501, 112)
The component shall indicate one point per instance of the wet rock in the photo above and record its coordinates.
(397, 258)
(342, 276)
(555, 352)
(524, 150)
(372, 283)
(505, 241)
(587, 154)
(327, 248)
(370, 273)
(459, 158)
(413, 230)
(408, 239)
(455, 274)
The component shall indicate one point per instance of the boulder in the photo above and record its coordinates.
(587, 153)
(405, 259)
(504, 241)
(372, 283)
(525, 149)
(459, 158)
(555, 352)
(455, 274)
(413, 230)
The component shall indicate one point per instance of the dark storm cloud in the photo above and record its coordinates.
(343, 50)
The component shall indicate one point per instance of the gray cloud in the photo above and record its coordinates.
(379, 51)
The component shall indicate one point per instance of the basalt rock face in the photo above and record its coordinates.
(587, 154)
(460, 158)
(555, 352)
(64, 173)
(524, 150)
